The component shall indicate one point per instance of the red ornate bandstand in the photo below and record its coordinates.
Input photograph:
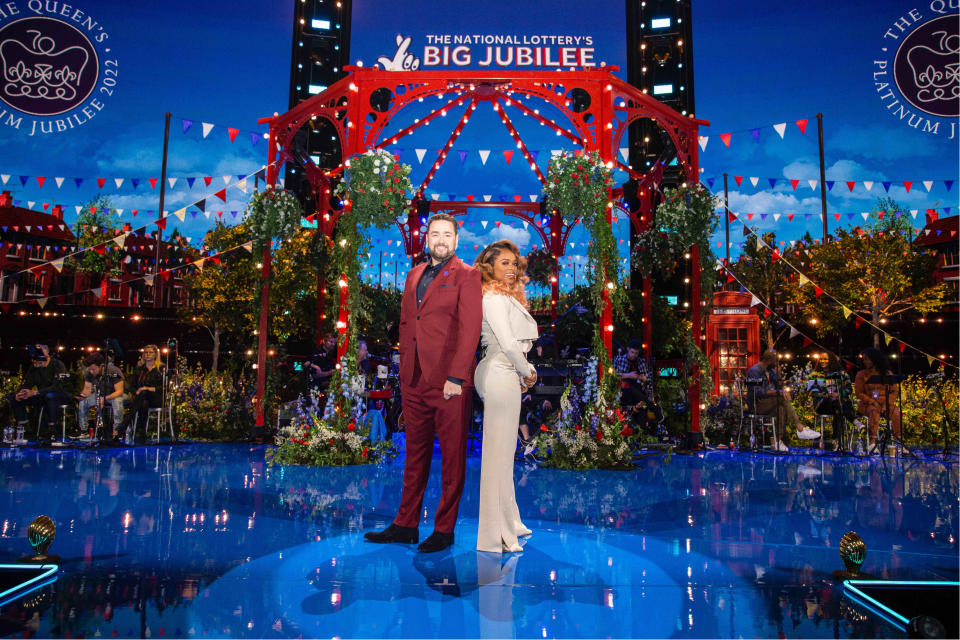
(597, 109)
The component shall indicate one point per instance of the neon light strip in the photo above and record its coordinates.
(851, 589)
(52, 570)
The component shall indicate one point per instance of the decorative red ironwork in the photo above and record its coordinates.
(598, 108)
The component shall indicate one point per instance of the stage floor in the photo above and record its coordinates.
(207, 540)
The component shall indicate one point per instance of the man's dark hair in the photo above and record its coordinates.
(635, 344)
(443, 216)
(93, 359)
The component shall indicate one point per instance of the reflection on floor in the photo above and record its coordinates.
(207, 540)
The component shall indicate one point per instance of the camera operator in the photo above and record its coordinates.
(42, 386)
(108, 379)
(148, 394)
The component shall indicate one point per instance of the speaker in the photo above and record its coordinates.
(690, 441)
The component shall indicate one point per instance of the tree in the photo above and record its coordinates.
(223, 289)
(764, 274)
(94, 226)
(874, 272)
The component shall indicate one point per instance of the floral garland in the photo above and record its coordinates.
(376, 187)
(578, 185)
(273, 214)
(589, 432)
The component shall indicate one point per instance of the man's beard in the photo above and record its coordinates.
(436, 254)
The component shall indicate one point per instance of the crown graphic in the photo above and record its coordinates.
(38, 70)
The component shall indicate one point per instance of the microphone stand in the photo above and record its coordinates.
(945, 423)
(886, 381)
(781, 411)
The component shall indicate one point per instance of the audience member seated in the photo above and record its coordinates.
(533, 415)
(634, 375)
(109, 381)
(42, 387)
(874, 398)
(831, 388)
(765, 397)
(147, 393)
(363, 358)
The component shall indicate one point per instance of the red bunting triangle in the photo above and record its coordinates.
(498, 224)
(794, 183)
(807, 341)
(817, 290)
(135, 212)
(774, 256)
(803, 125)
(749, 216)
(232, 133)
(731, 216)
(41, 180)
(738, 179)
(726, 139)
(857, 322)
(46, 205)
(766, 312)
(730, 277)
(101, 249)
(790, 217)
(851, 184)
(516, 198)
(508, 155)
(207, 180)
(469, 197)
(153, 182)
(907, 185)
(459, 222)
(836, 217)
(902, 345)
(101, 182)
(162, 223)
(222, 194)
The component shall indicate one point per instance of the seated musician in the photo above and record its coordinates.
(874, 398)
(765, 397)
(636, 391)
(830, 387)
(363, 358)
(321, 365)
(108, 380)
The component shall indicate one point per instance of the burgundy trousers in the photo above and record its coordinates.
(427, 415)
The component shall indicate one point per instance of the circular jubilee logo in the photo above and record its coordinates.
(49, 66)
(57, 67)
(926, 67)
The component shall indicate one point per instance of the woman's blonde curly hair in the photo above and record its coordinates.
(484, 264)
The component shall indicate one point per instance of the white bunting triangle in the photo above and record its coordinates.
(207, 127)
(118, 182)
(533, 198)
(59, 182)
(226, 180)
(420, 153)
(754, 180)
(242, 184)
(865, 215)
(5, 177)
(780, 129)
(793, 332)
(703, 140)
(181, 213)
(913, 213)
(171, 182)
(754, 300)
(120, 240)
(435, 196)
(249, 246)
(199, 263)
(483, 223)
(78, 207)
(484, 154)
(57, 264)
(30, 204)
(119, 212)
(42, 302)
(524, 224)
(148, 280)
(625, 153)
(776, 216)
(928, 184)
(813, 184)
(868, 184)
(206, 214)
(487, 198)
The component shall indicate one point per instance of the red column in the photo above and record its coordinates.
(694, 392)
(343, 317)
(262, 341)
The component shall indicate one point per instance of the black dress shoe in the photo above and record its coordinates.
(394, 533)
(438, 541)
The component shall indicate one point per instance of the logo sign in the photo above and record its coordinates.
(917, 75)
(57, 72)
(491, 50)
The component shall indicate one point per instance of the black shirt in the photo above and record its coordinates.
(44, 377)
(428, 275)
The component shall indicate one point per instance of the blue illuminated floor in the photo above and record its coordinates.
(207, 540)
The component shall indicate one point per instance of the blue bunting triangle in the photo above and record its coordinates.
(773, 182)
(79, 182)
(886, 186)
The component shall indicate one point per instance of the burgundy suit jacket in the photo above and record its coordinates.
(443, 333)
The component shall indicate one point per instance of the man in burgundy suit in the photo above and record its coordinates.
(440, 316)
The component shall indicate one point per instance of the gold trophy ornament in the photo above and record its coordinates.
(853, 550)
(40, 535)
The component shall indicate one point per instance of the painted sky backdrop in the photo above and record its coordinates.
(756, 65)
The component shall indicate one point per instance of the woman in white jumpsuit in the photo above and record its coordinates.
(507, 333)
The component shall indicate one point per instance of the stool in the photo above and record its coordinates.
(820, 422)
(159, 413)
(763, 421)
(63, 408)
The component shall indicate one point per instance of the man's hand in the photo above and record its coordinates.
(451, 389)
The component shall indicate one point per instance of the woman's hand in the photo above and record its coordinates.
(530, 380)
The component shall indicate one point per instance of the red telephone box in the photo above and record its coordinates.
(733, 338)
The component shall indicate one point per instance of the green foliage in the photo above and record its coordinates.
(875, 273)
(540, 266)
(212, 406)
(383, 308)
(272, 214)
(375, 188)
(95, 226)
(10, 385)
(329, 438)
(588, 432)
(577, 186)
(765, 276)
